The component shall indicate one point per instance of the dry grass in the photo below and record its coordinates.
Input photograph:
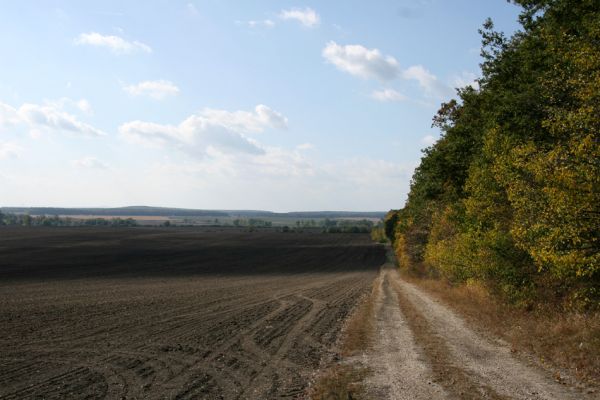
(343, 380)
(561, 341)
(359, 329)
(340, 382)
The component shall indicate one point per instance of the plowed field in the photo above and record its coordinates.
(173, 313)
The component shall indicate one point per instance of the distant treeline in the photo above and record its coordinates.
(46, 220)
(327, 225)
(509, 196)
(347, 226)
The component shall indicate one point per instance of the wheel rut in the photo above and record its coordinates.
(400, 368)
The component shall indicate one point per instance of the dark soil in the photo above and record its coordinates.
(173, 313)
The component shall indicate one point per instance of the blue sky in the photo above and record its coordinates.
(275, 105)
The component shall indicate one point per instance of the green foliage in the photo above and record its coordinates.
(510, 194)
(378, 233)
(389, 224)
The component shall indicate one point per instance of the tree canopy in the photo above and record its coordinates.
(510, 193)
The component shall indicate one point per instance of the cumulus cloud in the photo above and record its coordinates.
(307, 17)
(49, 116)
(387, 95)
(368, 63)
(209, 130)
(360, 61)
(9, 150)
(263, 23)
(154, 89)
(89, 163)
(245, 121)
(115, 43)
(427, 81)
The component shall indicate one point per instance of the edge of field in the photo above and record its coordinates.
(340, 376)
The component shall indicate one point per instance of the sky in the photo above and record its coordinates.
(265, 105)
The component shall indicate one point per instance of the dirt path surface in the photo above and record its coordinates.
(425, 351)
(400, 372)
(173, 313)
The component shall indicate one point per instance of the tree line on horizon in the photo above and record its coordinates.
(509, 196)
(11, 219)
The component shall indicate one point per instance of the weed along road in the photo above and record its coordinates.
(173, 313)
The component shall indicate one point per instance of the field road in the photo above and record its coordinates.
(173, 313)
(423, 350)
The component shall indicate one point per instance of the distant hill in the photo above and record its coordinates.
(119, 211)
(134, 211)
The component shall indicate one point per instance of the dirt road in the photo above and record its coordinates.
(173, 313)
(425, 351)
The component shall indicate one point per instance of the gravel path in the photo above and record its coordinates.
(400, 370)
(423, 350)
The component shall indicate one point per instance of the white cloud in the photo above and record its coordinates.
(47, 116)
(115, 43)
(210, 130)
(245, 121)
(9, 150)
(307, 17)
(84, 106)
(359, 61)
(150, 132)
(90, 163)
(466, 79)
(428, 140)
(367, 63)
(427, 81)
(263, 23)
(154, 89)
(386, 95)
(8, 115)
